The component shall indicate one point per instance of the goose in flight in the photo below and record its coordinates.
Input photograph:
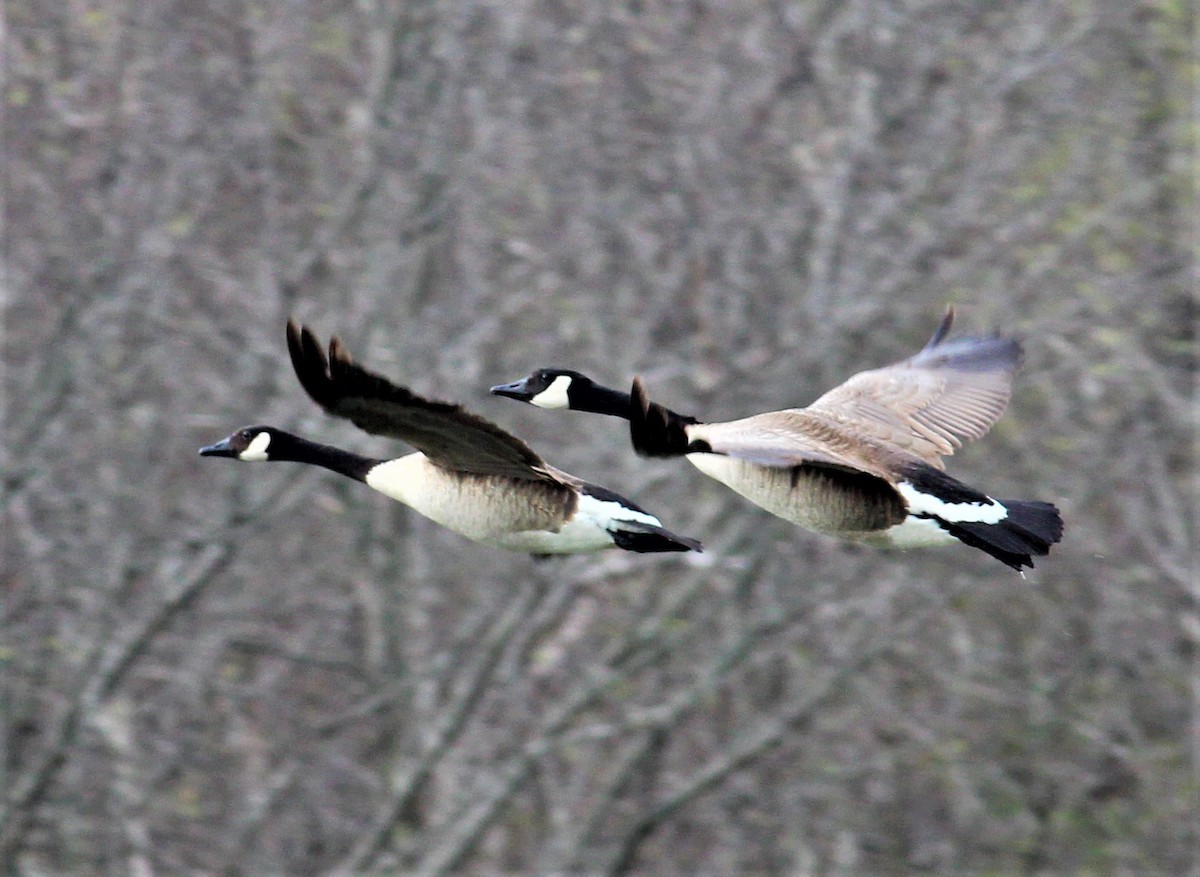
(467, 473)
(862, 462)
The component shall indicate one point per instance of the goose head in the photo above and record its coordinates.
(550, 388)
(250, 443)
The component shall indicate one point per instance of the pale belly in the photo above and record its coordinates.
(849, 507)
(571, 538)
(517, 515)
(912, 532)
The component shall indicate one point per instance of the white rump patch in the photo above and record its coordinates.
(990, 512)
(914, 532)
(608, 513)
(590, 529)
(555, 395)
(256, 451)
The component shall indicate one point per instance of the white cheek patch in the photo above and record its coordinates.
(555, 395)
(990, 512)
(256, 451)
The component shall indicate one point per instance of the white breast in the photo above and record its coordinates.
(405, 479)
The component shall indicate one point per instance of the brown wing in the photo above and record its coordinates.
(778, 439)
(930, 403)
(782, 439)
(447, 433)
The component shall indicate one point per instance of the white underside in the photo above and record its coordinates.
(914, 532)
(713, 465)
(589, 530)
(439, 496)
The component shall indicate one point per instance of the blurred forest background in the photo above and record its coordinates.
(225, 670)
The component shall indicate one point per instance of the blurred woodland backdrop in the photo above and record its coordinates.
(226, 670)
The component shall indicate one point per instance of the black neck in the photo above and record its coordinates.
(599, 399)
(286, 446)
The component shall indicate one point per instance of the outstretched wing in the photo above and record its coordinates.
(445, 432)
(777, 440)
(931, 403)
(783, 439)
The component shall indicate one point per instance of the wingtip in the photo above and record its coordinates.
(639, 408)
(943, 328)
(654, 430)
(311, 348)
(337, 351)
(294, 344)
(309, 362)
(638, 398)
(686, 543)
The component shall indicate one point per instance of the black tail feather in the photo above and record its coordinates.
(1039, 522)
(647, 538)
(1029, 530)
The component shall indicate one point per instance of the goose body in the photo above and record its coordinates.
(468, 474)
(862, 462)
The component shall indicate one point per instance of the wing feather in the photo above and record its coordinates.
(447, 433)
(792, 437)
(929, 404)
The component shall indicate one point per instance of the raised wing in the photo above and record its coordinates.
(445, 432)
(931, 403)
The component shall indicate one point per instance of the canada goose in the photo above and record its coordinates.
(862, 462)
(467, 474)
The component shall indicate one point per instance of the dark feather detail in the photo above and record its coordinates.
(645, 538)
(934, 482)
(605, 495)
(943, 328)
(1027, 531)
(656, 431)
(447, 433)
